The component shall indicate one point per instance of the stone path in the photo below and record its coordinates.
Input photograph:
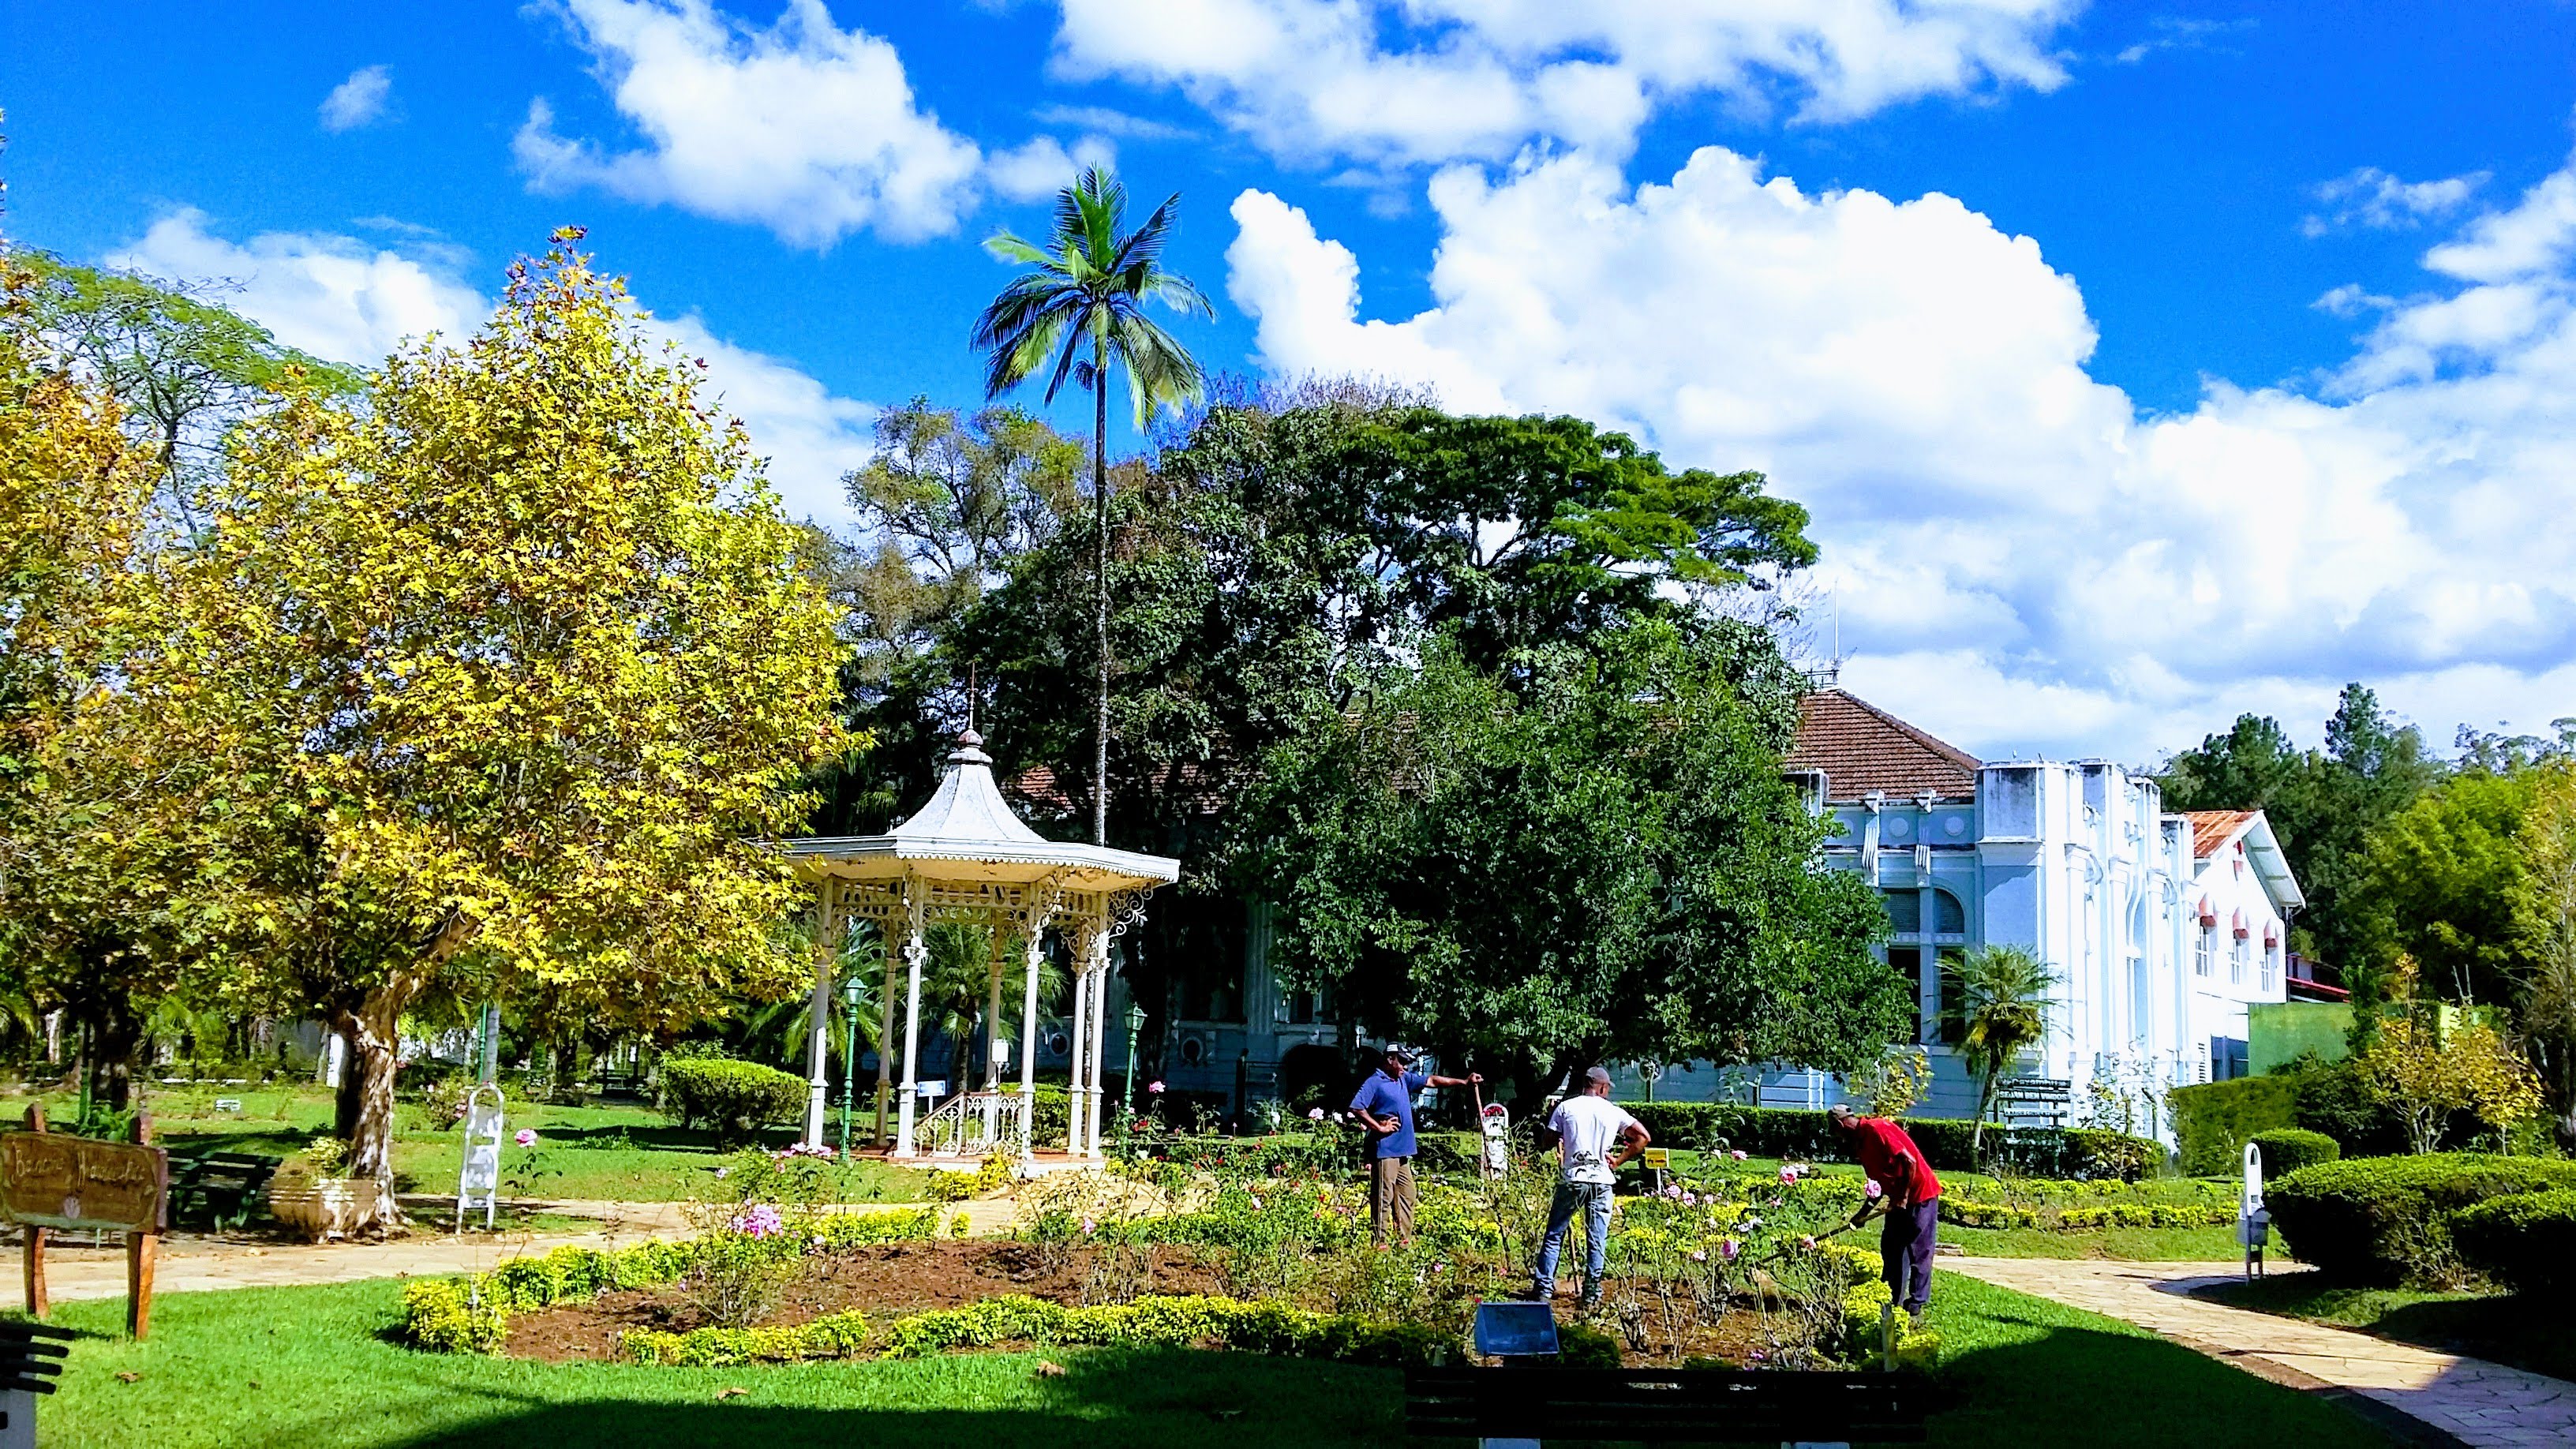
(197, 1265)
(2463, 1400)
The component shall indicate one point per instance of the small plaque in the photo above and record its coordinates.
(1515, 1330)
(1657, 1158)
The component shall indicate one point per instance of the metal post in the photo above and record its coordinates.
(1029, 1051)
(1135, 1029)
(850, 1070)
(489, 1068)
(1078, 1051)
(915, 951)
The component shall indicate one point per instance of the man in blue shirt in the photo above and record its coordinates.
(1384, 1105)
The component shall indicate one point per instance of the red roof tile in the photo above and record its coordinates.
(1861, 748)
(2211, 829)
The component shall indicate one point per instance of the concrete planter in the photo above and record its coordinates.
(333, 1207)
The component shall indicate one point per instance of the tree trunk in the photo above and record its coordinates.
(116, 1040)
(1100, 586)
(1977, 1131)
(344, 1118)
(374, 1033)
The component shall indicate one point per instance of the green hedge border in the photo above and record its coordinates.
(1791, 1132)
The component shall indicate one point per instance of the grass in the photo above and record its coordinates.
(2136, 1245)
(619, 1153)
(2503, 1328)
(284, 1368)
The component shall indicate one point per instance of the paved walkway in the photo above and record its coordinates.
(2467, 1400)
(196, 1265)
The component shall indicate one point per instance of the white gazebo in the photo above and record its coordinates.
(965, 858)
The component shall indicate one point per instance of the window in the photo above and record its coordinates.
(1948, 917)
(1905, 912)
(2206, 947)
(2236, 961)
(2271, 966)
(1907, 962)
(1950, 1027)
(2140, 1008)
(2227, 1058)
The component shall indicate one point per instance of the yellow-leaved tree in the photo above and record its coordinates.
(495, 677)
(2425, 1068)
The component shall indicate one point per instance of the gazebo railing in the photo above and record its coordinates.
(975, 1124)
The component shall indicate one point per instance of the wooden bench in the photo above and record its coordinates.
(1666, 1406)
(220, 1188)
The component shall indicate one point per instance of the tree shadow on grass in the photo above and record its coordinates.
(1149, 1398)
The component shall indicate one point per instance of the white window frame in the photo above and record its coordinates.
(2204, 954)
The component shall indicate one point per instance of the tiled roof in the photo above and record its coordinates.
(2211, 829)
(1861, 748)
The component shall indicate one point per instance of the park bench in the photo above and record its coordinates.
(1665, 1406)
(31, 1357)
(218, 1188)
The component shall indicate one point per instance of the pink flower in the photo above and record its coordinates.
(1874, 1191)
(1315, 1114)
(1788, 1174)
(1672, 1189)
(1089, 1227)
(1739, 1154)
(1690, 1199)
(1807, 1240)
(1729, 1248)
(761, 1222)
(1153, 1086)
(527, 1137)
(1699, 1255)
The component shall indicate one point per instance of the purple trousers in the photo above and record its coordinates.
(1905, 1244)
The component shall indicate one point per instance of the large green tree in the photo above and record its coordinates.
(494, 683)
(1076, 314)
(1589, 854)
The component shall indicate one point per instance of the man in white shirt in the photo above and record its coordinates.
(1594, 1138)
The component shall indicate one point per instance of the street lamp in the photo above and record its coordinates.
(1135, 1029)
(850, 988)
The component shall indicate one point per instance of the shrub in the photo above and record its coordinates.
(2384, 1219)
(2212, 1120)
(1448, 1151)
(1582, 1346)
(2099, 1154)
(438, 1316)
(733, 1098)
(2520, 1239)
(1946, 1142)
(2287, 1149)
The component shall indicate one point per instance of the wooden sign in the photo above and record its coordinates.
(60, 1181)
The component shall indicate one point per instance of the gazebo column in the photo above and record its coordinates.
(1029, 1045)
(993, 1020)
(1080, 1049)
(1099, 1032)
(915, 951)
(818, 1048)
(885, 1028)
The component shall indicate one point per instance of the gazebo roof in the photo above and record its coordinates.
(967, 833)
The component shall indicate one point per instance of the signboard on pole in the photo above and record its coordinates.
(1496, 1125)
(60, 1181)
(478, 1183)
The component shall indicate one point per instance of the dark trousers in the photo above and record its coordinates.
(1907, 1243)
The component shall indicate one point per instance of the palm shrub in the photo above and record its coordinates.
(2002, 995)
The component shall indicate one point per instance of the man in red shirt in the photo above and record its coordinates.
(1910, 1194)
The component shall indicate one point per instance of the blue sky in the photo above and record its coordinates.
(2142, 364)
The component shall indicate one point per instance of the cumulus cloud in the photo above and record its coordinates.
(358, 100)
(804, 128)
(1044, 167)
(340, 299)
(2019, 555)
(2370, 197)
(1406, 81)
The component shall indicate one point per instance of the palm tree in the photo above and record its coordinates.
(2000, 997)
(1079, 310)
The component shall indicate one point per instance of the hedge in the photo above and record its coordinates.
(1806, 1135)
(2212, 1120)
(2080, 1218)
(2287, 1149)
(734, 1098)
(2521, 1240)
(2384, 1220)
(471, 1314)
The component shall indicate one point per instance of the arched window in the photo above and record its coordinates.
(2205, 944)
(1948, 917)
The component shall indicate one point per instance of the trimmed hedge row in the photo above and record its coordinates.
(2071, 1152)
(733, 1098)
(1965, 1213)
(2212, 1120)
(2386, 1220)
(2521, 1240)
(471, 1314)
(2287, 1149)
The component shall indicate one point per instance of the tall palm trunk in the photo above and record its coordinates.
(1100, 584)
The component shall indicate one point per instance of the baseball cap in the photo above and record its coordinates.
(1400, 1052)
(1598, 1076)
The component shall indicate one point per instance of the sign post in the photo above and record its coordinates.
(478, 1182)
(55, 1180)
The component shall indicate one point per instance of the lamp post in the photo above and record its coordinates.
(850, 987)
(1135, 1029)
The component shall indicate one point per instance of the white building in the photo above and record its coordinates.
(2160, 928)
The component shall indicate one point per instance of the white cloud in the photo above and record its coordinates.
(1043, 166)
(804, 128)
(2370, 197)
(342, 300)
(1407, 81)
(2020, 557)
(358, 100)
(1102, 121)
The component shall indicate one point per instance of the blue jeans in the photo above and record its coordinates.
(1594, 1199)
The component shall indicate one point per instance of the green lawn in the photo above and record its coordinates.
(2519, 1331)
(287, 1368)
(623, 1153)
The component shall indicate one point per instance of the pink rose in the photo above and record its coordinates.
(1788, 1174)
(527, 1137)
(1807, 1240)
(1739, 1154)
(1874, 1191)
(1699, 1255)
(1729, 1248)
(1154, 1087)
